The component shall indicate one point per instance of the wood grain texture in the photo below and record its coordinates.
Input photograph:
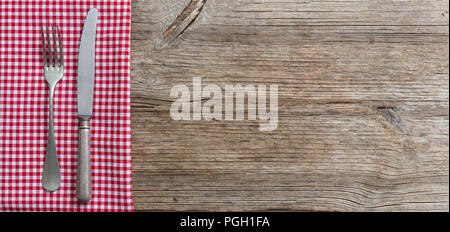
(363, 105)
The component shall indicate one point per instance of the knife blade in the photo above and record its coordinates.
(85, 101)
(86, 65)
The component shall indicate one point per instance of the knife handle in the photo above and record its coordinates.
(84, 161)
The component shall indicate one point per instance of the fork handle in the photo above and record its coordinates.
(51, 175)
(84, 161)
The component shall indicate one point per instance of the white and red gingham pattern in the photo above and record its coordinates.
(24, 106)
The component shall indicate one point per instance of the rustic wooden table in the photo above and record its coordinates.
(363, 105)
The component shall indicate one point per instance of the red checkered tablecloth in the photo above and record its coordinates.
(24, 106)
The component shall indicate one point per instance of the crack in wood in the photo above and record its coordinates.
(180, 25)
(409, 146)
(390, 114)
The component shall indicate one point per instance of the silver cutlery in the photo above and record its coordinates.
(53, 73)
(85, 99)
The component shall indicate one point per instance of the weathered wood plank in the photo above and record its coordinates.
(363, 105)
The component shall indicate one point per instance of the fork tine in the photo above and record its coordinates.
(55, 50)
(44, 51)
(49, 48)
(61, 60)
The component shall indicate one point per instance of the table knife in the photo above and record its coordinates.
(85, 101)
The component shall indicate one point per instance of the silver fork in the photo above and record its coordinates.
(53, 72)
